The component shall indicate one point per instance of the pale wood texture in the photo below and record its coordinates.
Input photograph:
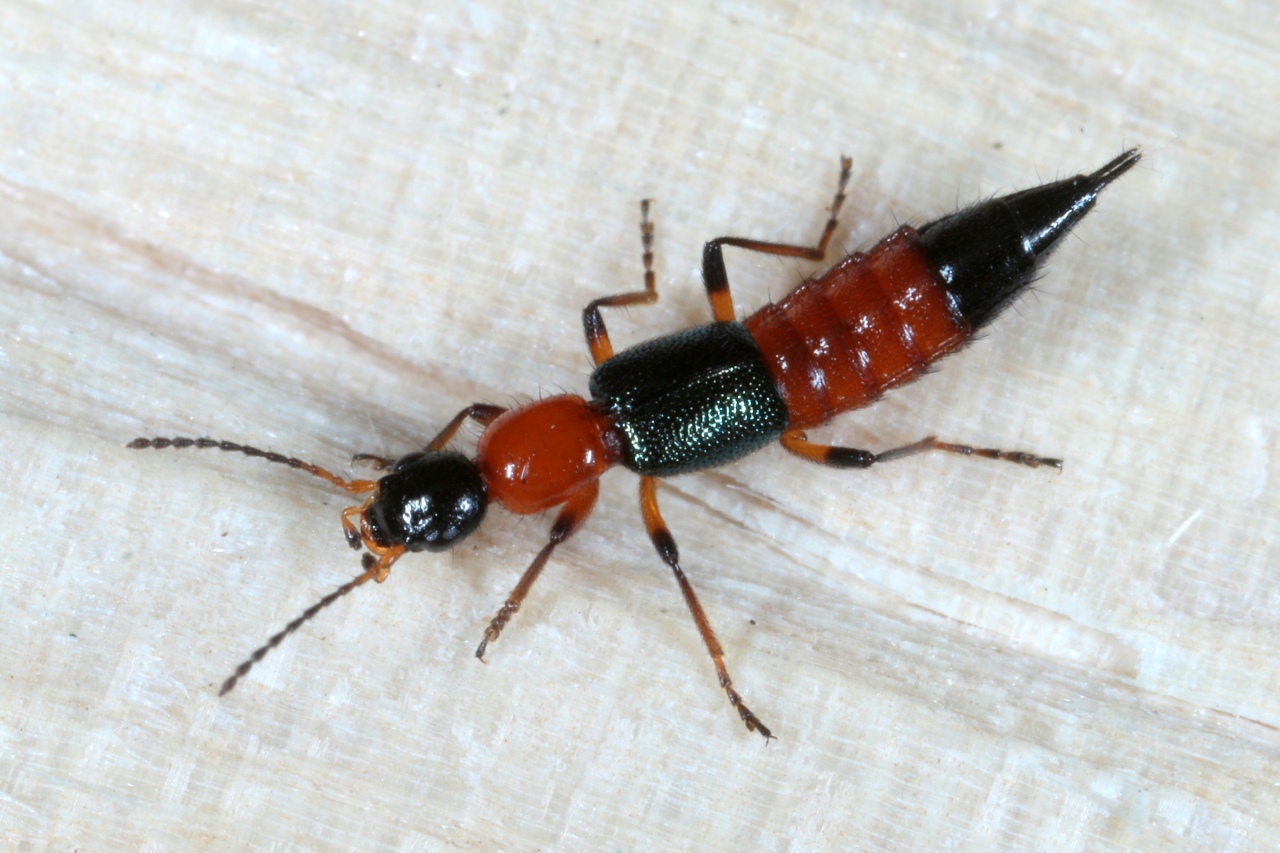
(323, 228)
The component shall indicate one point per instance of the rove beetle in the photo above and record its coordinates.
(708, 395)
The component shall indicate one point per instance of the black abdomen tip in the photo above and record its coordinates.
(988, 253)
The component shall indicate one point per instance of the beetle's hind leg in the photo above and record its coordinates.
(795, 441)
(716, 279)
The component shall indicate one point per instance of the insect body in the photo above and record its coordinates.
(708, 395)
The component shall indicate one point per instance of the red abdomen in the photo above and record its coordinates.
(874, 321)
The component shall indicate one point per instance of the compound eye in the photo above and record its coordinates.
(429, 502)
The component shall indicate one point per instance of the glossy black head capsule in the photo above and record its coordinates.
(988, 252)
(429, 502)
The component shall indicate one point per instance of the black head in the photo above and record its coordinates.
(429, 502)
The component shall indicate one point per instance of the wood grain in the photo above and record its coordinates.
(324, 228)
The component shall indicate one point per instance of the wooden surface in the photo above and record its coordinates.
(323, 228)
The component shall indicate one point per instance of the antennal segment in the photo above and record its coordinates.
(355, 487)
(372, 568)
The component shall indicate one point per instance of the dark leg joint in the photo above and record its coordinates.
(714, 274)
(849, 457)
(665, 543)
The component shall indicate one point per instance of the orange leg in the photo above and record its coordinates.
(352, 518)
(797, 442)
(666, 545)
(481, 413)
(572, 515)
(716, 279)
(593, 323)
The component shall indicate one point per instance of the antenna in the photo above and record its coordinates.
(370, 571)
(375, 567)
(355, 487)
